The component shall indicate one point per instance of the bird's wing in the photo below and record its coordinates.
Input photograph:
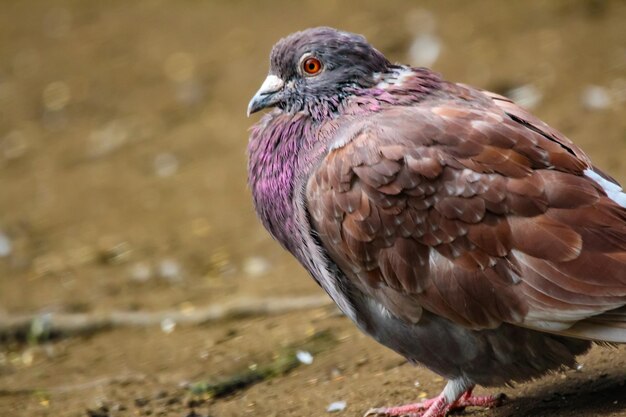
(472, 214)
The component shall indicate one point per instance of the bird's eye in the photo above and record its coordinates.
(311, 66)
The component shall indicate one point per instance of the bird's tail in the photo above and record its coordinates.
(606, 327)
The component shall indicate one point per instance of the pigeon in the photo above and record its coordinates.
(447, 222)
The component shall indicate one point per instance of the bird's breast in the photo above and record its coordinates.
(274, 168)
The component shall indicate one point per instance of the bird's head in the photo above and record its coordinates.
(315, 67)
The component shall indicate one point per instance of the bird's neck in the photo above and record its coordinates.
(399, 86)
(285, 146)
(282, 149)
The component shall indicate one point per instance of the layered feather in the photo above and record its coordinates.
(475, 211)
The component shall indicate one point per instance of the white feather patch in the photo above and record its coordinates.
(397, 77)
(612, 190)
(455, 388)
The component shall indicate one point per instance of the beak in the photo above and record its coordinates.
(266, 96)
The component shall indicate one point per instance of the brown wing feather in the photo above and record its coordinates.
(482, 216)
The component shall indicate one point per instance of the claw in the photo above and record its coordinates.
(404, 410)
(436, 407)
(375, 412)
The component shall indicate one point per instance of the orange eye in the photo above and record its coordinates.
(311, 66)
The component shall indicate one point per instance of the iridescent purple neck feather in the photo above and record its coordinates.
(284, 147)
(279, 150)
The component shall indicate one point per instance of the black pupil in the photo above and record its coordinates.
(312, 66)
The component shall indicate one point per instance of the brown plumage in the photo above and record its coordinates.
(487, 218)
(447, 222)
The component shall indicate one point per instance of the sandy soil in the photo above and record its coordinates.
(122, 178)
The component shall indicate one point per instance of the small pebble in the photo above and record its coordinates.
(304, 357)
(6, 246)
(168, 325)
(40, 326)
(595, 98)
(336, 406)
(256, 266)
(170, 271)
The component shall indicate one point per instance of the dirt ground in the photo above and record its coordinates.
(122, 188)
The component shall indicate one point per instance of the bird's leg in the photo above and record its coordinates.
(487, 401)
(456, 395)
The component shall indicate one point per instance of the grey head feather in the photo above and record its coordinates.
(348, 61)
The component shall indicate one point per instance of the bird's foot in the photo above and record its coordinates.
(416, 409)
(437, 407)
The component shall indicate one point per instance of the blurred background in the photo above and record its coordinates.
(123, 190)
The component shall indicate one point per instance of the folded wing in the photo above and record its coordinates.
(480, 215)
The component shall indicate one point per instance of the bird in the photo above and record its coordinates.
(447, 222)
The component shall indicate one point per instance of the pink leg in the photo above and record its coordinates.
(402, 410)
(436, 407)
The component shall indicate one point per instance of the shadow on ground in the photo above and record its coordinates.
(604, 394)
